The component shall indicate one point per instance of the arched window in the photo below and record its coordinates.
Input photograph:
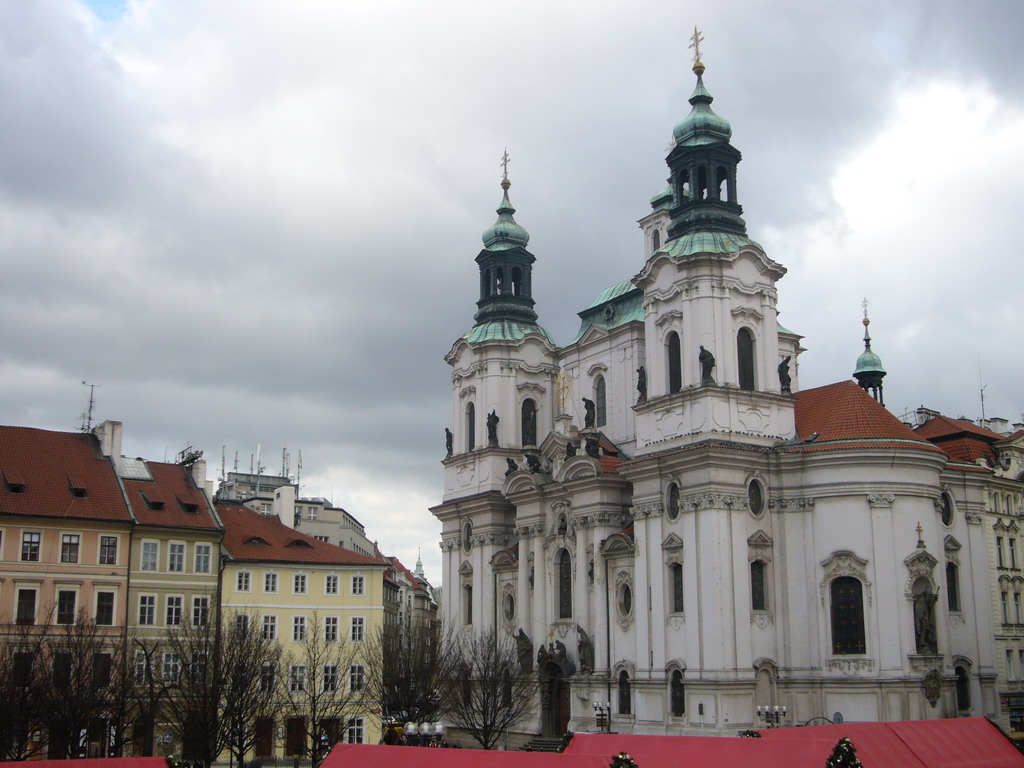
(470, 427)
(600, 403)
(847, 598)
(677, 587)
(758, 589)
(677, 695)
(517, 281)
(564, 585)
(655, 240)
(745, 358)
(485, 283)
(499, 280)
(675, 363)
(953, 586)
(702, 183)
(963, 689)
(721, 180)
(529, 422)
(625, 695)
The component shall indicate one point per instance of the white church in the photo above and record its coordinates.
(712, 539)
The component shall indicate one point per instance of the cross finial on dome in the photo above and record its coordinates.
(504, 167)
(697, 39)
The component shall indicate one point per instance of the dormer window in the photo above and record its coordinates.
(192, 509)
(15, 488)
(258, 541)
(300, 543)
(154, 504)
(14, 481)
(78, 493)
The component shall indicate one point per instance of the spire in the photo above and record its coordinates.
(869, 371)
(703, 166)
(505, 233)
(419, 565)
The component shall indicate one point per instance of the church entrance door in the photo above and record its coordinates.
(555, 712)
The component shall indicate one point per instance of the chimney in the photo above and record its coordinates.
(284, 504)
(109, 434)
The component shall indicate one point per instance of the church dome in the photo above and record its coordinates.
(868, 362)
(505, 232)
(702, 125)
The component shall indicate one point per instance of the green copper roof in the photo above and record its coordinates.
(783, 329)
(704, 241)
(702, 125)
(505, 330)
(664, 199)
(614, 307)
(869, 362)
(505, 232)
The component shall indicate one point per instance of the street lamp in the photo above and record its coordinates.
(602, 712)
(772, 716)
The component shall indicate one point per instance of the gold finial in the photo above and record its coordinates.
(865, 305)
(920, 541)
(504, 166)
(697, 39)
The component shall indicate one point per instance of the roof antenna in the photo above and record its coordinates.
(87, 413)
(982, 391)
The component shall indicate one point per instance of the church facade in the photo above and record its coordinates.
(711, 540)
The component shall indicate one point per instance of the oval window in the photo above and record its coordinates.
(755, 498)
(625, 600)
(510, 607)
(467, 534)
(946, 506)
(672, 503)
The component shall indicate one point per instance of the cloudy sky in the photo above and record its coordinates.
(254, 223)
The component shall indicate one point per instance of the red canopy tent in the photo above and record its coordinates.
(371, 756)
(701, 751)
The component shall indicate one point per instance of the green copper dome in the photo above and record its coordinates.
(505, 232)
(868, 362)
(702, 125)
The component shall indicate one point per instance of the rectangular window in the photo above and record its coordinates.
(176, 557)
(1004, 603)
(268, 678)
(999, 552)
(330, 677)
(758, 596)
(331, 629)
(356, 730)
(1013, 551)
(299, 629)
(26, 606)
(102, 663)
(200, 611)
(331, 584)
(147, 610)
(358, 585)
(69, 543)
(62, 670)
(1016, 606)
(677, 588)
(356, 678)
(105, 609)
(141, 667)
(297, 678)
(66, 600)
(172, 667)
(30, 546)
(202, 558)
(174, 609)
(312, 513)
(21, 673)
(150, 555)
(243, 581)
(270, 628)
(299, 584)
(242, 624)
(108, 550)
(1011, 675)
(270, 582)
(358, 629)
(326, 539)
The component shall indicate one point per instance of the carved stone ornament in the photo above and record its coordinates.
(759, 547)
(790, 505)
(974, 517)
(881, 500)
(613, 519)
(920, 564)
(648, 510)
(843, 562)
(675, 621)
(952, 548)
(762, 619)
(850, 667)
(624, 621)
(447, 545)
(712, 501)
(529, 531)
(922, 662)
(932, 686)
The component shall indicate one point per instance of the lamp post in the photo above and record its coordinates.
(772, 716)
(602, 712)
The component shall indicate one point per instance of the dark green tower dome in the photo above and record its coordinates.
(702, 125)
(869, 371)
(505, 232)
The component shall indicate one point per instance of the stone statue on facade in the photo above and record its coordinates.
(448, 438)
(585, 648)
(492, 429)
(924, 622)
(707, 364)
(785, 380)
(590, 415)
(592, 448)
(570, 449)
(524, 648)
(533, 463)
(641, 384)
(512, 466)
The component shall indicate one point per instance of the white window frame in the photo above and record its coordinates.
(78, 546)
(152, 608)
(171, 668)
(143, 560)
(299, 629)
(331, 679)
(38, 543)
(201, 604)
(269, 623)
(57, 589)
(297, 678)
(204, 556)
(331, 624)
(358, 585)
(270, 580)
(176, 558)
(246, 577)
(355, 730)
(300, 584)
(181, 610)
(357, 629)
(99, 548)
(332, 584)
(356, 678)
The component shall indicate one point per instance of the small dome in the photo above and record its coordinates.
(505, 232)
(869, 362)
(702, 125)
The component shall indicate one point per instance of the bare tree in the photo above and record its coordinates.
(250, 692)
(405, 667)
(196, 687)
(24, 678)
(155, 675)
(488, 692)
(324, 686)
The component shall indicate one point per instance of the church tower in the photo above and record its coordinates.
(504, 371)
(869, 371)
(718, 363)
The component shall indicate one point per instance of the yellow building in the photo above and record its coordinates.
(322, 603)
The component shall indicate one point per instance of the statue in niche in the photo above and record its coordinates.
(592, 448)
(559, 650)
(492, 429)
(585, 648)
(512, 466)
(707, 364)
(533, 463)
(924, 621)
(641, 384)
(570, 449)
(524, 649)
(448, 437)
(591, 413)
(785, 380)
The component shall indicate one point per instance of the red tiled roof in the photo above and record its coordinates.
(248, 535)
(939, 427)
(174, 491)
(610, 460)
(844, 411)
(400, 567)
(50, 465)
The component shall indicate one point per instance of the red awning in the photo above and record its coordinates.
(701, 751)
(379, 756)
